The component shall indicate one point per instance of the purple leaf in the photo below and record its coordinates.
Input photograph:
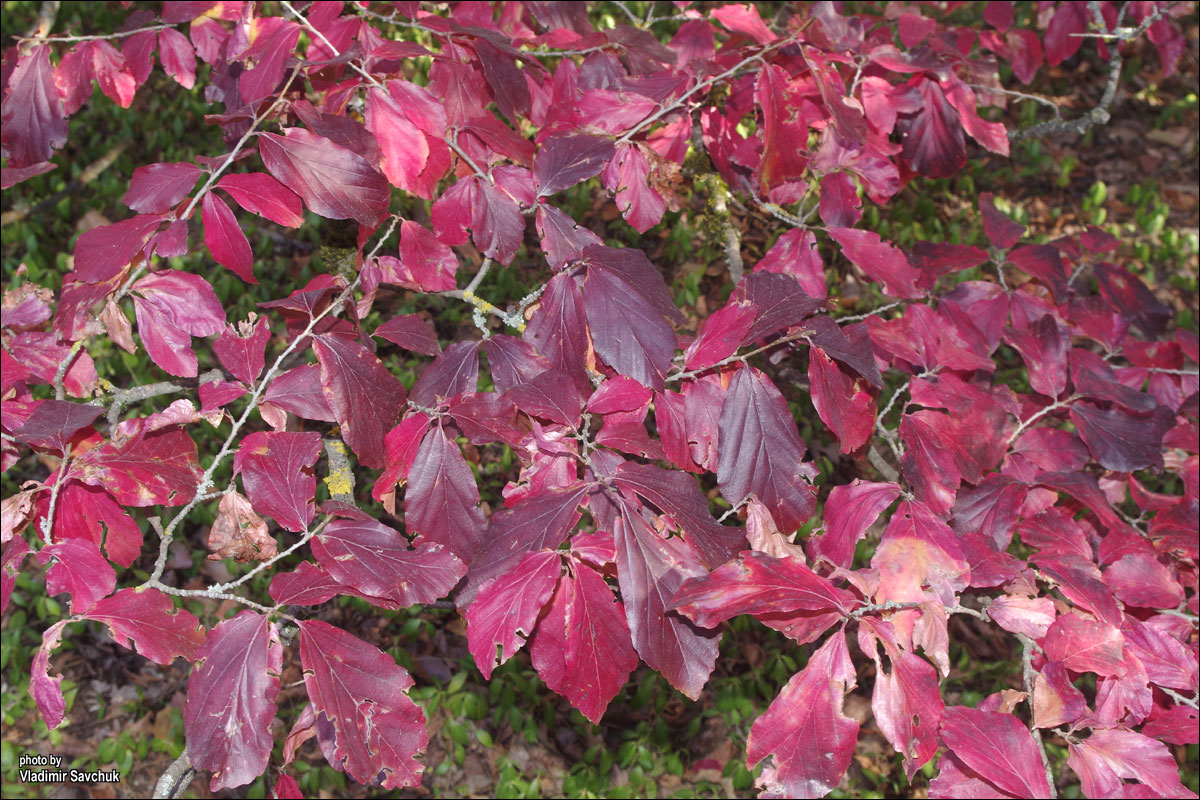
(454, 372)
(33, 121)
(224, 238)
(627, 332)
(760, 450)
(157, 188)
(54, 422)
(242, 351)
(1001, 231)
(412, 332)
(231, 700)
(626, 176)
(849, 511)
(840, 206)
(933, 136)
(365, 397)
(1121, 441)
(565, 159)
(441, 503)
(333, 181)
(101, 253)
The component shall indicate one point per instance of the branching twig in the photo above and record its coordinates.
(139, 393)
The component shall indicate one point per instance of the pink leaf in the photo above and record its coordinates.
(1030, 616)
(46, 690)
(882, 261)
(33, 121)
(1085, 645)
(101, 253)
(805, 730)
(276, 470)
(918, 550)
(795, 253)
(1138, 579)
(431, 262)
(627, 332)
(366, 724)
(1108, 758)
(403, 146)
(840, 401)
(849, 511)
(231, 700)
(997, 747)
(178, 57)
(744, 19)
(626, 176)
(506, 610)
(242, 351)
(720, 336)
(907, 702)
(933, 136)
(171, 307)
(1056, 701)
(149, 620)
(225, 239)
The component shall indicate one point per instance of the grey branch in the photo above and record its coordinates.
(177, 777)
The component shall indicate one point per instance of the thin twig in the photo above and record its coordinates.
(1027, 646)
(120, 35)
(1056, 405)
(328, 44)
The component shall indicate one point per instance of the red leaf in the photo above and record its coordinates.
(148, 469)
(261, 194)
(412, 332)
(404, 148)
(1056, 701)
(720, 336)
(149, 620)
(225, 240)
(992, 135)
(795, 253)
(840, 402)
(849, 511)
(299, 391)
(231, 700)
(928, 462)
(1062, 38)
(650, 570)
(744, 19)
(553, 395)
(933, 136)
(805, 730)
(431, 262)
(309, 585)
(377, 560)
(998, 748)
(562, 238)
(15, 550)
(32, 119)
(442, 501)
(157, 188)
(557, 329)
(1043, 346)
(363, 394)
(760, 450)
(627, 332)
(506, 609)
(333, 181)
(678, 496)
(882, 261)
(366, 724)
(101, 253)
(1138, 579)
(582, 648)
(46, 690)
(276, 470)
(907, 702)
(79, 570)
(758, 585)
(840, 206)
(1108, 758)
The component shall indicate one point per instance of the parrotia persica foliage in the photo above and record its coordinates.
(1023, 506)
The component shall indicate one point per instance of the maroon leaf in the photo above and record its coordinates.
(1063, 38)
(928, 462)
(225, 240)
(557, 329)
(760, 450)
(242, 351)
(840, 206)
(1001, 231)
(333, 181)
(564, 160)
(650, 570)
(261, 194)
(276, 470)
(454, 372)
(758, 585)
(309, 585)
(933, 136)
(33, 121)
(431, 262)
(562, 238)
(626, 177)
(442, 501)
(412, 332)
(1043, 262)
(87, 512)
(231, 700)
(178, 57)
(678, 496)
(1043, 345)
(805, 730)
(365, 397)
(552, 395)
(157, 188)
(849, 511)
(148, 469)
(778, 301)
(172, 307)
(506, 609)
(366, 724)
(627, 332)
(998, 747)
(299, 391)
(80, 571)
(376, 560)
(784, 133)
(54, 422)
(147, 619)
(634, 268)
(540, 522)
(882, 261)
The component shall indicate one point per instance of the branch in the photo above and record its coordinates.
(328, 44)
(1027, 646)
(139, 393)
(1057, 404)
(177, 777)
(121, 35)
